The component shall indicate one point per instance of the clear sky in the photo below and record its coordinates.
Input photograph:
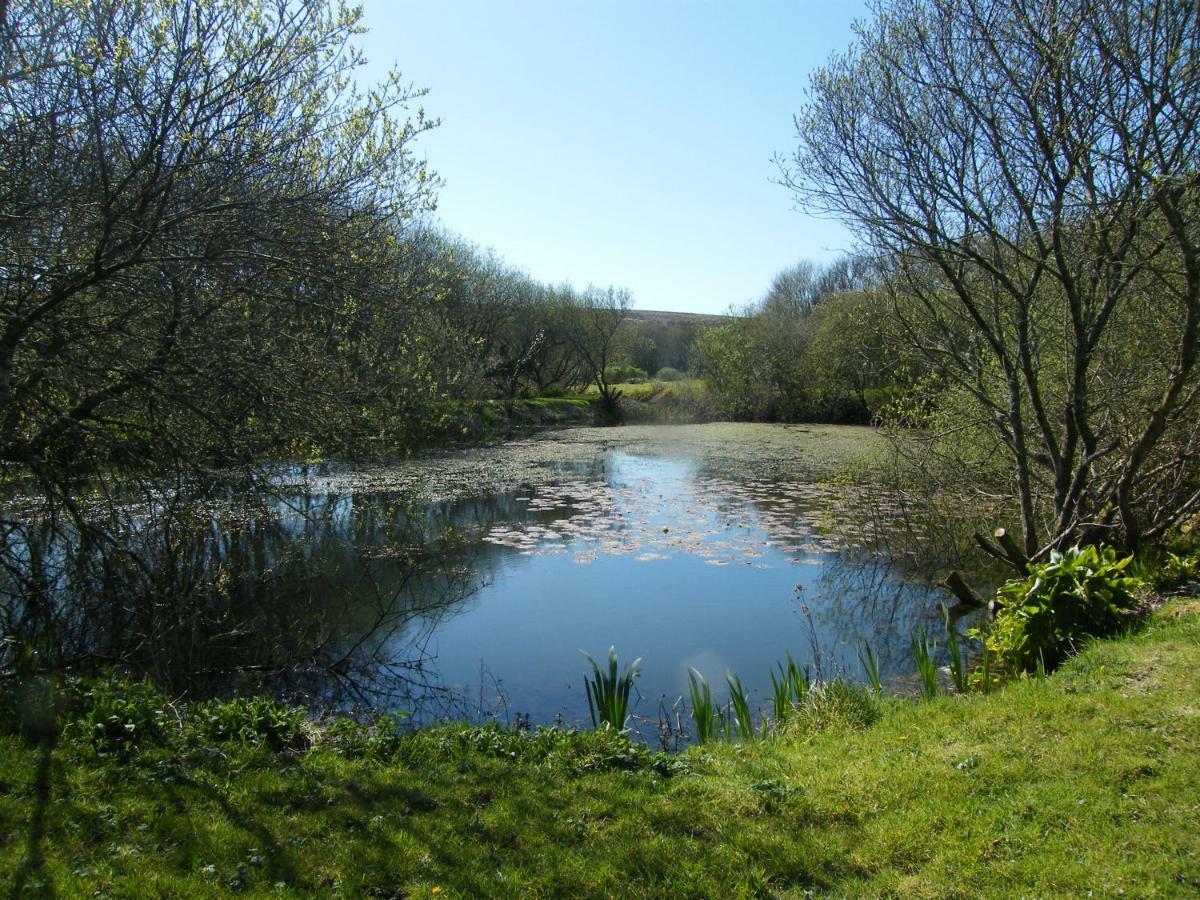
(625, 143)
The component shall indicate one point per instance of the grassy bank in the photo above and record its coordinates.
(664, 402)
(1085, 781)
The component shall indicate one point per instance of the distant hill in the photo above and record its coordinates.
(656, 315)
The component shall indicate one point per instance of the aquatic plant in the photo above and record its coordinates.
(704, 713)
(739, 723)
(788, 688)
(866, 658)
(608, 692)
(958, 669)
(926, 669)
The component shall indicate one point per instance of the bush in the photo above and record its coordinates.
(253, 720)
(1176, 570)
(121, 716)
(554, 391)
(666, 373)
(1079, 594)
(381, 740)
(625, 375)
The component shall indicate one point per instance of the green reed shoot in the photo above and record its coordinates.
(958, 669)
(608, 692)
(866, 658)
(926, 668)
(788, 687)
(741, 724)
(704, 713)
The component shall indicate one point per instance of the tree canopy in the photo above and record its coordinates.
(1028, 173)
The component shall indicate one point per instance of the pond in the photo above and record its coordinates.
(466, 584)
(720, 547)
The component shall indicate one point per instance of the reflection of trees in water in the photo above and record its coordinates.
(333, 597)
(209, 588)
(865, 598)
(218, 587)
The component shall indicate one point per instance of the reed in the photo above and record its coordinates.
(608, 691)
(704, 713)
(789, 687)
(926, 669)
(740, 722)
(958, 669)
(866, 658)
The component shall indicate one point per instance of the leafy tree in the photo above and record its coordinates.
(1029, 172)
(593, 320)
(196, 207)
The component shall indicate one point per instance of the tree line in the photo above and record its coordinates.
(216, 247)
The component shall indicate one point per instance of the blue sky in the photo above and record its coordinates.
(619, 143)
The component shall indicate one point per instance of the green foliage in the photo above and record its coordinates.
(608, 692)
(382, 739)
(1176, 569)
(835, 704)
(788, 688)
(704, 711)
(1025, 793)
(740, 722)
(958, 668)
(667, 373)
(926, 667)
(116, 715)
(870, 667)
(257, 721)
(1078, 594)
(625, 374)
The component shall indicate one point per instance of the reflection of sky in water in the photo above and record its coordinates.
(670, 561)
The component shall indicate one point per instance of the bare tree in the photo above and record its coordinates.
(1030, 172)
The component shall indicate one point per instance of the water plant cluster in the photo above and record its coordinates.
(1078, 594)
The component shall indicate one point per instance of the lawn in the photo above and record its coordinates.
(1086, 781)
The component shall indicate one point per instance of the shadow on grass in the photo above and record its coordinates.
(34, 855)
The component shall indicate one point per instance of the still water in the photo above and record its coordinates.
(718, 547)
(466, 584)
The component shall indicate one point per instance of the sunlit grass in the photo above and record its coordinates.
(1084, 781)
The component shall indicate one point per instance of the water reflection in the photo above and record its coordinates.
(346, 590)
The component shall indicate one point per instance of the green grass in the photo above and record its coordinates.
(644, 390)
(1088, 780)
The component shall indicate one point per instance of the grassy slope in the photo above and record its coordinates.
(1087, 781)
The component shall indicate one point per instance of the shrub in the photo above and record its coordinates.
(120, 716)
(625, 374)
(254, 721)
(666, 373)
(1176, 570)
(835, 704)
(382, 739)
(1078, 594)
